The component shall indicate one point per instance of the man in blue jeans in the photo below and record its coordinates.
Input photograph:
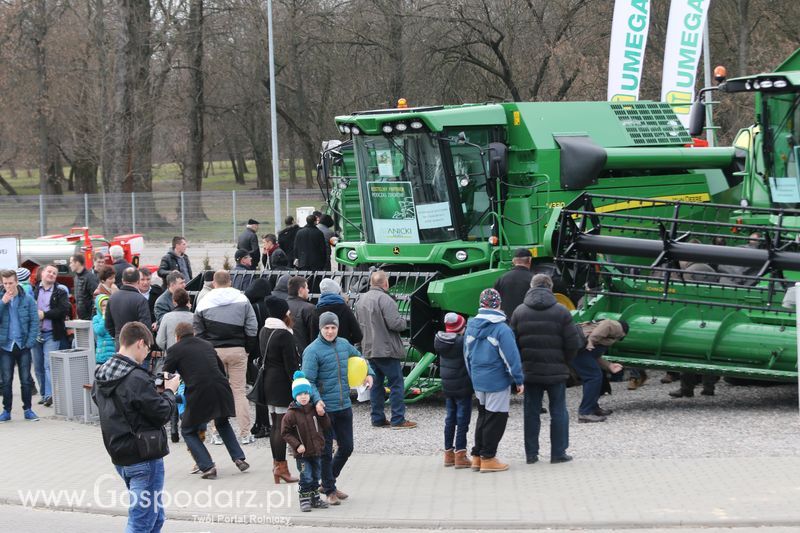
(325, 363)
(548, 340)
(52, 303)
(130, 407)
(381, 324)
(19, 326)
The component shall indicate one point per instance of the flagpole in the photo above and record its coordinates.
(276, 177)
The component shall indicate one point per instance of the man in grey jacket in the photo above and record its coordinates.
(382, 324)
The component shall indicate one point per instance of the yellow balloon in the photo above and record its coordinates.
(356, 371)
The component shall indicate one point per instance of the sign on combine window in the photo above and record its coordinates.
(394, 217)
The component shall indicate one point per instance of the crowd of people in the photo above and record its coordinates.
(246, 342)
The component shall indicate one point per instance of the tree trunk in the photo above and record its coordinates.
(309, 164)
(291, 148)
(237, 175)
(47, 185)
(242, 163)
(103, 76)
(263, 168)
(743, 48)
(7, 186)
(117, 215)
(192, 176)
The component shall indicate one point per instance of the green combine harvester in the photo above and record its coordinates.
(615, 200)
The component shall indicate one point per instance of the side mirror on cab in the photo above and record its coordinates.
(498, 160)
(697, 117)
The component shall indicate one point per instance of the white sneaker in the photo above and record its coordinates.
(247, 439)
(216, 439)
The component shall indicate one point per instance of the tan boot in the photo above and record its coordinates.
(492, 465)
(449, 458)
(462, 461)
(476, 463)
(280, 471)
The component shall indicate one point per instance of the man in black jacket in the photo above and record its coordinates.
(53, 307)
(208, 397)
(127, 305)
(85, 284)
(548, 339)
(310, 249)
(513, 285)
(302, 311)
(176, 259)
(132, 409)
(248, 241)
(286, 237)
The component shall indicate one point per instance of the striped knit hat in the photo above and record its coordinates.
(23, 274)
(300, 384)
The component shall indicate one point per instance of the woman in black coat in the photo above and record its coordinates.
(257, 293)
(281, 360)
(208, 396)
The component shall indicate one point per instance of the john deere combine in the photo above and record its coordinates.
(614, 199)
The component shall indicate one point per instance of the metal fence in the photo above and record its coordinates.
(212, 216)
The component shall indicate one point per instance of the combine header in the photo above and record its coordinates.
(725, 317)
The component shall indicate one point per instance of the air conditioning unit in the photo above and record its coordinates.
(70, 371)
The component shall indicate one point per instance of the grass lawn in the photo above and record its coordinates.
(167, 178)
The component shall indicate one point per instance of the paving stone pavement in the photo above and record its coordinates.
(66, 462)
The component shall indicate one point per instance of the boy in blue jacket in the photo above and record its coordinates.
(493, 363)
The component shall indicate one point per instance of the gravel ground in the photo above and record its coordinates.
(647, 423)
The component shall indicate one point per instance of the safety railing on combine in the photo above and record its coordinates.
(612, 253)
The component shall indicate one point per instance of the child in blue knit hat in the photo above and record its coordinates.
(304, 431)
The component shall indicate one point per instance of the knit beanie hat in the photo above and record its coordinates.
(329, 286)
(490, 299)
(23, 274)
(454, 323)
(276, 307)
(99, 300)
(327, 319)
(300, 384)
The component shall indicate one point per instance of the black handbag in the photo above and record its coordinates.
(150, 443)
(258, 394)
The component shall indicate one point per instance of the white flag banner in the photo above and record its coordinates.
(684, 46)
(628, 42)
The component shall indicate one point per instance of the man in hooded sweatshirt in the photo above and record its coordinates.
(493, 364)
(129, 406)
(331, 299)
(548, 340)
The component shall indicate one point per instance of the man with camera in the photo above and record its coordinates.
(208, 396)
(132, 417)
